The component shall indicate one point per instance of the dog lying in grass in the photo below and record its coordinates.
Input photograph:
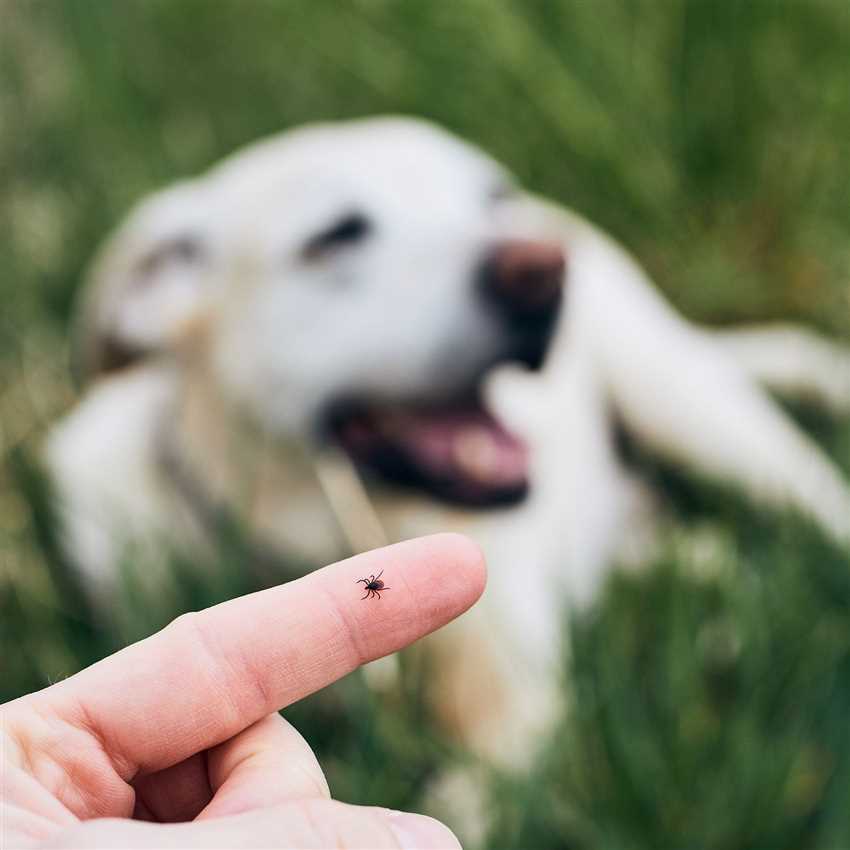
(356, 333)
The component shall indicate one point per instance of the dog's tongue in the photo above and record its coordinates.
(461, 454)
(471, 443)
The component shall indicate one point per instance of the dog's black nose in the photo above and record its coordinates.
(524, 278)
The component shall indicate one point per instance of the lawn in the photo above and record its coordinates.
(710, 694)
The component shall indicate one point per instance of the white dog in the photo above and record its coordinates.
(360, 332)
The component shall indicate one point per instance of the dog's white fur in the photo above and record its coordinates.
(242, 342)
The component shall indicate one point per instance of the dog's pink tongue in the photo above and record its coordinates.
(468, 444)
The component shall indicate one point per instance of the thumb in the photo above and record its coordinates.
(304, 824)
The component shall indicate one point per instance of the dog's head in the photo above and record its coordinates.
(356, 283)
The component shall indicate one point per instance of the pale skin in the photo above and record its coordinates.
(175, 741)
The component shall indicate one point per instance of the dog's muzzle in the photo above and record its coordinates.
(458, 451)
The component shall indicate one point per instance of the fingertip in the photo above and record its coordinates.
(430, 581)
(465, 557)
(449, 560)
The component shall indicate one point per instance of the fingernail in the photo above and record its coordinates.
(418, 832)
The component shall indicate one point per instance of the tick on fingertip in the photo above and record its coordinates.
(373, 584)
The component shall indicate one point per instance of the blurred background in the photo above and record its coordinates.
(710, 694)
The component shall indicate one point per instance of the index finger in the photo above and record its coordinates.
(210, 674)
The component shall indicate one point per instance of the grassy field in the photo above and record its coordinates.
(711, 694)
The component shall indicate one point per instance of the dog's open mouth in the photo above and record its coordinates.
(458, 452)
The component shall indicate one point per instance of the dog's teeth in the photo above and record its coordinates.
(475, 451)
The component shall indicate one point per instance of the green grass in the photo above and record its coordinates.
(711, 694)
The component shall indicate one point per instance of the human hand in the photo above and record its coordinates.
(175, 741)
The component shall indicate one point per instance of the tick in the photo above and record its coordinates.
(373, 586)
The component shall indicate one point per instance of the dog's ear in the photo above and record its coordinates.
(146, 282)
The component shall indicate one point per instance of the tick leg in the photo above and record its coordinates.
(377, 594)
(361, 579)
(379, 575)
(363, 597)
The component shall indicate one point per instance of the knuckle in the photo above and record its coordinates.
(193, 639)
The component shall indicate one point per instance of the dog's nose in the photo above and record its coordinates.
(524, 278)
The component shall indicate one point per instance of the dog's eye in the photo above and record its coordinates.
(347, 230)
(184, 249)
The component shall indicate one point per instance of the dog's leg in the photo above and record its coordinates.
(678, 391)
(583, 507)
(793, 362)
(103, 477)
